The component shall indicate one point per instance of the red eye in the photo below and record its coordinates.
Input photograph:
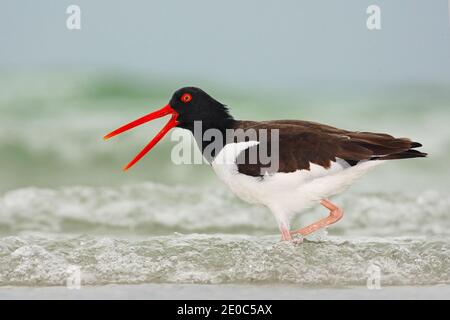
(186, 97)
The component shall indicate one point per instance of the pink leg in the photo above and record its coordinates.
(335, 215)
(283, 222)
(285, 234)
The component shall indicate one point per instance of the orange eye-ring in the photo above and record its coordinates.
(186, 97)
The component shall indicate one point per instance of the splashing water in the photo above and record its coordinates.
(123, 245)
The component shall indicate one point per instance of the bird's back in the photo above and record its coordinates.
(302, 143)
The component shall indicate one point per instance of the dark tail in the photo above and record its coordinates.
(408, 154)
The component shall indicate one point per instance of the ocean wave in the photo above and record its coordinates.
(157, 209)
(220, 259)
(148, 208)
(52, 126)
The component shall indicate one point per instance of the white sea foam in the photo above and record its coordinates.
(157, 233)
(219, 259)
(152, 208)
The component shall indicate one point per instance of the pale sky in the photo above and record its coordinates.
(248, 43)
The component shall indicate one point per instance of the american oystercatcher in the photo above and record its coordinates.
(314, 161)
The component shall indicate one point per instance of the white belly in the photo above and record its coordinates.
(291, 192)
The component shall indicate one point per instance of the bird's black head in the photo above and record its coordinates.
(193, 104)
(187, 106)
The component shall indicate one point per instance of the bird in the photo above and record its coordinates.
(314, 161)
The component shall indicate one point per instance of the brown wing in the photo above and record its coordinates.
(302, 143)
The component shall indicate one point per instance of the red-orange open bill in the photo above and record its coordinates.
(151, 116)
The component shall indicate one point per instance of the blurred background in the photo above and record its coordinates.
(61, 90)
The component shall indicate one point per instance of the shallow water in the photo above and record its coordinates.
(151, 233)
(220, 259)
(224, 292)
(156, 209)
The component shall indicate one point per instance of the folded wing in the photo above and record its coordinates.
(302, 143)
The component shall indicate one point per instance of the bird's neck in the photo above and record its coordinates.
(211, 137)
